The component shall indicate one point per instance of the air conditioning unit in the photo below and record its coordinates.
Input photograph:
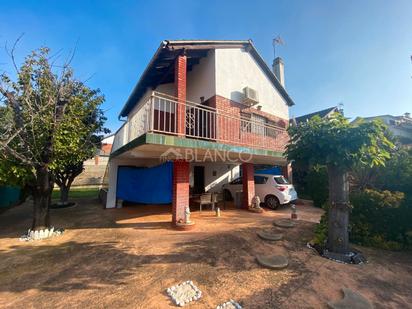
(250, 96)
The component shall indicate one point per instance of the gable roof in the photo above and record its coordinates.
(323, 113)
(160, 69)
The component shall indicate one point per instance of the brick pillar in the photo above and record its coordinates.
(180, 189)
(287, 172)
(248, 184)
(180, 93)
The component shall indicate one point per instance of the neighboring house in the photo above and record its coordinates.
(400, 126)
(325, 113)
(199, 98)
(106, 147)
(95, 168)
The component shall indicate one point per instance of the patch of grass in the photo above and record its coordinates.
(77, 193)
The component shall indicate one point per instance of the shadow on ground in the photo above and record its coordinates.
(90, 265)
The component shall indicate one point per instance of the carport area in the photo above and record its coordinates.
(184, 172)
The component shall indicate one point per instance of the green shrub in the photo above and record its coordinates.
(380, 219)
(397, 174)
(321, 231)
(317, 185)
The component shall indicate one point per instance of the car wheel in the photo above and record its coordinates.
(227, 195)
(272, 202)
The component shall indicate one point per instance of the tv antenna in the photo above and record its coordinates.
(340, 107)
(277, 41)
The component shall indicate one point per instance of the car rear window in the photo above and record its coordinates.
(237, 181)
(280, 180)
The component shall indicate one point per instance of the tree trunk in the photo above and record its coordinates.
(64, 194)
(41, 199)
(338, 218)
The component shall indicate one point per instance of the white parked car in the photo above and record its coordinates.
(273, 190)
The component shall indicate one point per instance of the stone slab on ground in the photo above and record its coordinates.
(270, 235)
(231, 304)
(272, 261)
(351, 300)
(286, 223)
(184, 293)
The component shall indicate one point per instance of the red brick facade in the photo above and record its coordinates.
(229, 129)
(248, 184)
(180, 200)
(180, 92)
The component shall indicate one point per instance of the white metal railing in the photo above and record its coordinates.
(164, 114)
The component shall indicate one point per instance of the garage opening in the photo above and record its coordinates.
(145, 185)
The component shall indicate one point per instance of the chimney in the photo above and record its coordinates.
(279, 70)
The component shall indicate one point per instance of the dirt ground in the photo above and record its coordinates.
(126, 258)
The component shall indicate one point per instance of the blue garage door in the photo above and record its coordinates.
(145, 185)
(276, 170)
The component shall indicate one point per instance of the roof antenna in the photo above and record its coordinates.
(411, 62)
(340, 107)
(277, 41)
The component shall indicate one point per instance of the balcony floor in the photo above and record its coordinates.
(155, 146)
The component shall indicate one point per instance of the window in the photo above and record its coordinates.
(280, 180)
(237, 181)
(245, 122)
(270, 131)
(258, 124)
(260, 180)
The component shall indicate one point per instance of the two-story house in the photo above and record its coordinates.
(399, 126)
(213, 108)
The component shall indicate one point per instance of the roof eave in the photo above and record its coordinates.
(163, 44)
(270, 74)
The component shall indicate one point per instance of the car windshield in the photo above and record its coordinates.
(280, 180)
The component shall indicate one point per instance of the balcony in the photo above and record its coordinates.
(163, 114)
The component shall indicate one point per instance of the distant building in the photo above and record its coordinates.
(325, 113)
(107, 144)
(95, 168)
(400, 126)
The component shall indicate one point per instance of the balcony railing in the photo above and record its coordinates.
(161, 113)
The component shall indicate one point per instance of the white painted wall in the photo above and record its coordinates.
(201, 80)
(144, 98)
(108, 139)
(236, 69)
(224, 174)
(167, 89)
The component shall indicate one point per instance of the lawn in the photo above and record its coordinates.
(88, 193)
(128, 257)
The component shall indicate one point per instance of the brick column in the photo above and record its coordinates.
(180, 93)
(287, 172)
(248, 184)
(180, 189)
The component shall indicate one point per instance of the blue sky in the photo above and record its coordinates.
(354, 52)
